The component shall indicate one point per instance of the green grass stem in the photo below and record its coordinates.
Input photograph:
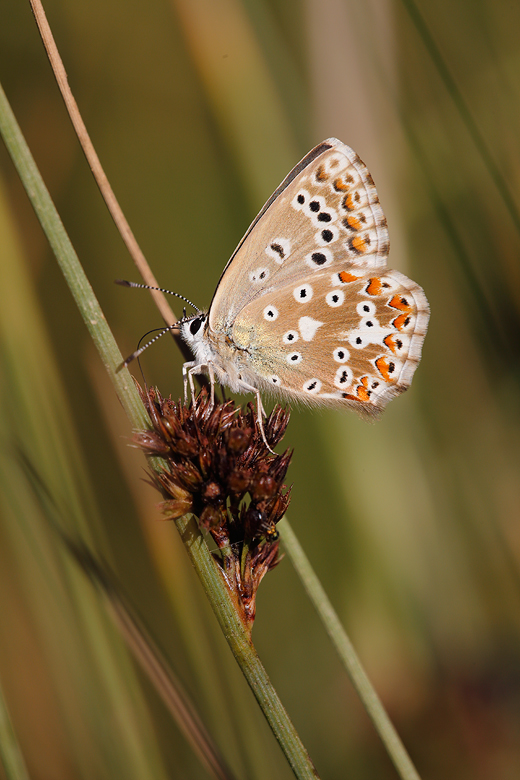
(11, 755)
(347, 654)
(213, 583)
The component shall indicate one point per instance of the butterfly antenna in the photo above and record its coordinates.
(139, 351)
(124, 283)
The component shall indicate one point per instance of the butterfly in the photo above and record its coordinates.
(306, 307)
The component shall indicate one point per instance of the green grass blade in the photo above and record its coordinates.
(10, 753)
(69, 263)
(220, 598)
(348, 655)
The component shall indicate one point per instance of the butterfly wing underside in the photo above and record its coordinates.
(352, 340)
(307, 296)
(340, 214)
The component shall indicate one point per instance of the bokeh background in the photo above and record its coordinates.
(198, 109)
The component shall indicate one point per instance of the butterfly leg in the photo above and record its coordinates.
(260, 411)
(192, 368)
(187, 369)
(211, 374)
(260, 414)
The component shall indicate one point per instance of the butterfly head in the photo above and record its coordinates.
(194, 332)
(192, 328)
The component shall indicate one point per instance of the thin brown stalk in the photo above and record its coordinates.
(97, 169)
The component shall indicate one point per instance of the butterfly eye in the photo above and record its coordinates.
(195, 326)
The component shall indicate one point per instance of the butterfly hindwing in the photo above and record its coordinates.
(338, 337)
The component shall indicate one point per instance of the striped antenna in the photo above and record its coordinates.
(167, 329)
(139, 351)
(124, 283)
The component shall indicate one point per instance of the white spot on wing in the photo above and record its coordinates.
(270, 313)
(366, 308)
(341, 355)
(259, 275)
(303, 293)
(312, 386)
(278, 249)
(302, 195)
(324, 217)
(343, 377)
(308, 327)
(327, 235)
(368, 332)
(319, 259)
(336, 163)
(335, 298)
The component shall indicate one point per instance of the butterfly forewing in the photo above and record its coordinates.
(326, 211)
(306, 306)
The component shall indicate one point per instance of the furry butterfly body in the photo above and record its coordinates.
(306, 308)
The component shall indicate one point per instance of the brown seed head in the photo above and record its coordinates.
(218, 467)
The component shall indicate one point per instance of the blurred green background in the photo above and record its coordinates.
(198, 109)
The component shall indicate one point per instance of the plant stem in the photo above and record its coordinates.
(347, 654)
(243, 649)
(10, 753)
(79, 285)
(213, 582)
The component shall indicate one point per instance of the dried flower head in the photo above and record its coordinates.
(220, 469)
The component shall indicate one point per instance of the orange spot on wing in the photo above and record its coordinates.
(320, 174)
(390, 343)
(384, 368)
(353, 222)
(374, 287)
(359, 244)
(398, 302)
(348, 202)
(401, 321)
(339, 185)
(362, 392)
(346, 277)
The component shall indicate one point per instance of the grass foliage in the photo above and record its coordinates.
(197, 111)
